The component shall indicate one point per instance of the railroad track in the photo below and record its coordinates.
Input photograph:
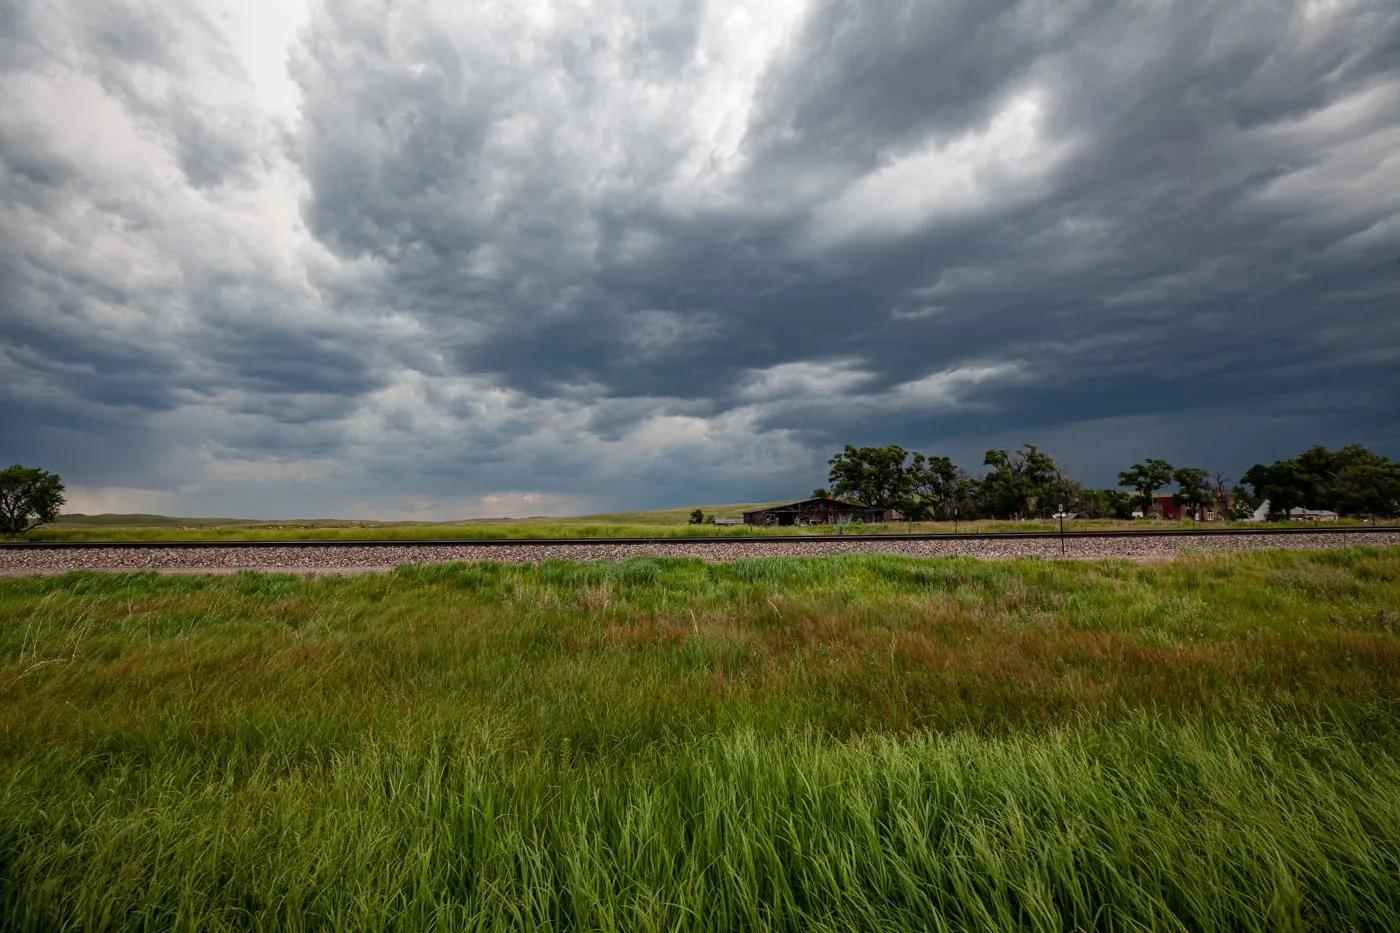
(690, 539)
(344, 555)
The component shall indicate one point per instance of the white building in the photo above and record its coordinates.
(1298, 514)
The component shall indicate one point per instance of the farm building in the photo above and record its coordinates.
(1311, 515)
(813, 512)
(1165, 506)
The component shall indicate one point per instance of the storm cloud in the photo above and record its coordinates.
(437, 259)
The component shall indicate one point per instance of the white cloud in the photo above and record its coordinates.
(997, 167)
(805, 381)
(1353, 176)
(838, 387)
(737, 42)
(261, 33)
(951, 386)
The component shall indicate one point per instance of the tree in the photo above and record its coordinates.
(1021, 484)
(1283, 484)
(820, 493)
(29, 497)
(1192, 488)
(1316, 471)
(1351, 480)
(967, 493)
(1146, 477)
(1364, 483)
(1220, 498)
(933, 488)
(1105, 503)
(697, 517)
(876, 477)
(1242, 501)
(1068, 493)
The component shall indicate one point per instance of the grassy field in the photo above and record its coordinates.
(657, 523)
(676, 516)
(863, 742)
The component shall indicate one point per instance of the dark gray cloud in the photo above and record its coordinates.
(435, 258)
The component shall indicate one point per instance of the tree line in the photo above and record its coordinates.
(1023, 483)
(1028, 482)
(1349, 481)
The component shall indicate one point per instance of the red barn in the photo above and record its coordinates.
(1165, 507)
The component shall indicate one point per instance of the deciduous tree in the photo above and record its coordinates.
(1350, 480)
(1105, 503)
(967, 493)
(1146, 477)
(1192, 488)
(29, 497)
(875, 477)
(932, 488)
(1021, 483)
(1242, 501)
(1067, 491)
(1220, 498)
(1363, 482)
(1283, 483)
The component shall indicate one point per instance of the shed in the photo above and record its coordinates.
(813, 512)
(1312, 515)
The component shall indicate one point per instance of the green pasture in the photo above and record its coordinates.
(850, 743)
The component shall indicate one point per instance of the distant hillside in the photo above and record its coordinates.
(676, 516)
(147, 521)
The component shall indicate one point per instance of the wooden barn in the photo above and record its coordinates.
(813, 512)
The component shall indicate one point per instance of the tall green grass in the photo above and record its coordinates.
(863, 742)
(1143, 825)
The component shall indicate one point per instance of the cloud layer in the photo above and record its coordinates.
(435, 259)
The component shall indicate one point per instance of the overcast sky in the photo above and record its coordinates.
(433, 259)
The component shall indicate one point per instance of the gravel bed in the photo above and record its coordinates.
(319, 560)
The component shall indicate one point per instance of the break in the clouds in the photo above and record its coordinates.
(427, 259)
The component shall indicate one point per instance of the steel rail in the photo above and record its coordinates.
(685, 539)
